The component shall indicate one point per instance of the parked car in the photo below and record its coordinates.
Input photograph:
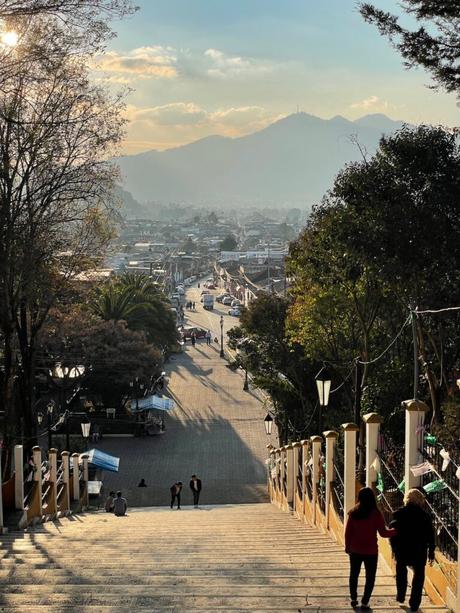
(186, 332)
(208, 302)
(236, 303)
(227, 301)
(222, 296)
(235, 312)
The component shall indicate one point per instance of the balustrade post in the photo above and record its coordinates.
(296, 451)
(415, 418)
(372, 421)
(316, 450)
(331, 439)
(283, 475)
(19, 477)
(2, 529)
(85, 501)
(290, 474)
(349, 480)
(52, 499)
(36, 503)
(75, 477)
(305, 443)
(65, 505)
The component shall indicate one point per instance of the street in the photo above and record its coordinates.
(215, 431)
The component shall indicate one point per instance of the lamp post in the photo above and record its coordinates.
(49, 412)
(268, 423)
(323, 384)
(85, 430)
(137, 387)
(222, 355)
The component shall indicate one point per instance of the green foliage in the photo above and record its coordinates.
(112, 355)
(137, 300)
(229, 243)
(435, 45)
(384, 238)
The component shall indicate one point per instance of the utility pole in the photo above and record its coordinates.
(357, 417)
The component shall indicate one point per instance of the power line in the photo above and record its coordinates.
(434, 311)
(389, 346)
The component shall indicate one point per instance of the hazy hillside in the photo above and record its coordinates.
(292, 161)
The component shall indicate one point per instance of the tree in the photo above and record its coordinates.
(277, 366)
(435, 45)
(229, 243)
(111, 354)
(137, 300)
(383, 241)
(57, 131)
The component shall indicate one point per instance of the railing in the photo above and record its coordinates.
(300, 469)
(443, 503)
(337, 485)
(321, 487)
(285, 475)
(308, 468)
(391, 478)
(46, 484)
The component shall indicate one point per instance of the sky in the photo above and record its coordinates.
(194, 68)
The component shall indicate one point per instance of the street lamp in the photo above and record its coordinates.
(268, 423)
(49, 411)
(222, 355)
(85, 429)
(323, 384)
(242, 350)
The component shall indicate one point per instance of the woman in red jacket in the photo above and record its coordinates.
(364, 521)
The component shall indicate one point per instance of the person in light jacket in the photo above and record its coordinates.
(412, 546)
(363, 524)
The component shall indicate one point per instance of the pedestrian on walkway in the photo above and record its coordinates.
(142, 483)
(193, 337)
(193, 306)
(195, 486)
(412, 545)
(208, 337)
(109, 502)
(364, 521)
(175, 493)
(120, 505)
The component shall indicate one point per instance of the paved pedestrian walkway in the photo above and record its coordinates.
(216, 431)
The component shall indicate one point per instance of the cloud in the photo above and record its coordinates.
(373, 103)
(224, 66)
(168, 125)
(155, 62)
(174, 114)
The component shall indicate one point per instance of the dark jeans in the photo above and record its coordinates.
(417, 581)
(173, 498)
(370, 564)
(196, 497)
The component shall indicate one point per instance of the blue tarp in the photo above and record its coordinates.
(103, 460)
(152, 402)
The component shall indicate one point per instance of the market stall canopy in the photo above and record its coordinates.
(103, 460)
(152, 402)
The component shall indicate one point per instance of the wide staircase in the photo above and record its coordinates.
(223, 558)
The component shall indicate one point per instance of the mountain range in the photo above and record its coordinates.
(292, 162)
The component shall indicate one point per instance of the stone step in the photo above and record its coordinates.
(383, 608)
(100, 597)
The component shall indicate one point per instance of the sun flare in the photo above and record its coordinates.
(10, 38)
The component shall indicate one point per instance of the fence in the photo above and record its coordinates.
(324, 479)
(43, 490)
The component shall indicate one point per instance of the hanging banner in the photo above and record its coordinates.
(402, 487)
(380, 485)
(376, 464)
(435, 486)
(421, 469)
(420, 429)
(445, 459)
(430, 439)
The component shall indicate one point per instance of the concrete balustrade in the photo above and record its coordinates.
(41, 502)
(64, 506)
(349, 462)
(372, 421)
(415, 419)
(290, 475)
(331, 439)
(75, 478)
(316, 451)
(1, 499)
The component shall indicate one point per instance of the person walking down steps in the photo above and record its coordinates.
(175, 493)
(364, 521)
(195, 486)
